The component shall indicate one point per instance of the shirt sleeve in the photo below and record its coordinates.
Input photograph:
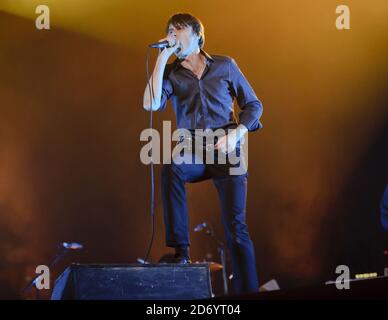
(167, 89)
(251, 107)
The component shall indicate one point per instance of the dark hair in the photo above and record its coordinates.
(180, 20)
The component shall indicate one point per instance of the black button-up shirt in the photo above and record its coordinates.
(207, 103)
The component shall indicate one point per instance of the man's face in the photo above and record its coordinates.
(187, 39)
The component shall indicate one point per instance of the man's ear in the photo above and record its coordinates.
(198, 40)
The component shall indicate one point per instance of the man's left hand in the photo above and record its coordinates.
(228, 142)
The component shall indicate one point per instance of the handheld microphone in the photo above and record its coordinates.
(200, 227)
(163, 44)
(72, 245)
(160, 45)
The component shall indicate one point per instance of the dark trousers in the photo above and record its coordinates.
(232, 191)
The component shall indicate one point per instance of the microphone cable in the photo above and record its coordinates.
(151, 93)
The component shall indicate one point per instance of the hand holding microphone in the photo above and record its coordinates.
(169, 45)
(153, 90)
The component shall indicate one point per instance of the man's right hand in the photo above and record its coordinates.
(174, 44)
(152, 100)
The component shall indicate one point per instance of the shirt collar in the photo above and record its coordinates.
(177, 62)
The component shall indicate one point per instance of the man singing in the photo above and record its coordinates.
(202, 89)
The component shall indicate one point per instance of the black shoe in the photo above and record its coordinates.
(182, 255)
(181, 259)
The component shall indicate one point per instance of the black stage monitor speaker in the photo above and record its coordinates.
(134, 282)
